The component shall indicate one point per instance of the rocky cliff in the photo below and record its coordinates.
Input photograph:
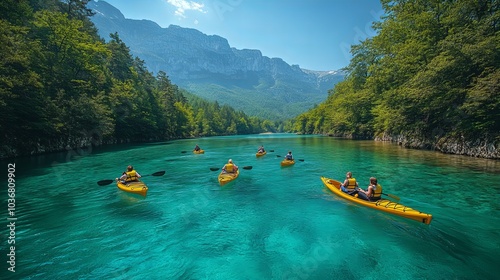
(208, 66)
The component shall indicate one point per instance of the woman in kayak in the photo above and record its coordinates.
(289, 156)
(373, 192)
(130, 175)
(350, 185)
(230, 167)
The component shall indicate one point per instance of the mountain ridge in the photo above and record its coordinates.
(209, 67)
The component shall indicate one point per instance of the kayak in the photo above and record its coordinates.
(286, 162)
(259, 154)
(381, 204)
(225, 178)
(199, 151)
(133, 187)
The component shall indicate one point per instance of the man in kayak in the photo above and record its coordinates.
(261, 150)
(197, 148)
(373, 192)
(350, 185)
(289, 156)
(130, 175)
(230, 167)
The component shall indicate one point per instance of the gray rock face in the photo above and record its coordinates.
(208, 66)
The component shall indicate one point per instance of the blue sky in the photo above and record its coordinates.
(314, 34)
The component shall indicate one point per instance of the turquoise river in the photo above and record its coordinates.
(270, 223)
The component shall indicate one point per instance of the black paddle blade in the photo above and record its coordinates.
(214, 168)
(301, 160)
(278, 156)
(271, 151)
(247, 167)
(105, 182)
(159, 173)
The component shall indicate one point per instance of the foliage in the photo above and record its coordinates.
(62, 85)
(431, 72)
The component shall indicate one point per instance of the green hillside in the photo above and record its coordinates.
(430, 78)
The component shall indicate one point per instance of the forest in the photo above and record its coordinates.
(430, 77)
(62, 86)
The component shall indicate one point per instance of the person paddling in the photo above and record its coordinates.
(373, 193)
(230, 167)
(129, 176)
(350, 185)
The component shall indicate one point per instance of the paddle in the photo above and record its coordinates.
(271, 151)
(391, 195)
(107, 182)
(183, 152)
(298, 159)
(244, 167)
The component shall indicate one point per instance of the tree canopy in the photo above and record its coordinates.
(431, 73)
(61, 85)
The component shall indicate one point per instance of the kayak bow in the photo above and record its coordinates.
(225, 178)
(259, 154)
(286, 162)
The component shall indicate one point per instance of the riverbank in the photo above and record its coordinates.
(481, 148)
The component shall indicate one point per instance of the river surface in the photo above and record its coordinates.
(271, 223)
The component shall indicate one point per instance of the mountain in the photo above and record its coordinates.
(209, 67)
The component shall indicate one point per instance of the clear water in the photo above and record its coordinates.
(271, 223)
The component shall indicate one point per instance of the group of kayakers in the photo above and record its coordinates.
(131, 175)
(372, 193)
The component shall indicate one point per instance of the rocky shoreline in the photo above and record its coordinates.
(482, 148)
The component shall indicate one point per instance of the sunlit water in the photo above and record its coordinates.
(271, 223)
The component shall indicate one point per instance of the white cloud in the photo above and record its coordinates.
(184, 5)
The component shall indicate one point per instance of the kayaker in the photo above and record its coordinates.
(197, 148)
(230, 167)
(130, 175)
(373, 192)
(261, 149)
(350, 184)
(289, 156)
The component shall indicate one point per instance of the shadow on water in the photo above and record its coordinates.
(454, 243)
(132, 206)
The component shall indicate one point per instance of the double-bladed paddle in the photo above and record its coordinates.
(244, 167)
(107, 182)
(391, 195)
(298, 159)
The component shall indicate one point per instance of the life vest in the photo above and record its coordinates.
(131, 176)
(351, 184)
(376, 192)
(229, 167)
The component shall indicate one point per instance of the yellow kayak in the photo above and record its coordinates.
(199, 151)
(133, 187)
(259, 154)
(225, 178)
(287, 162)
(381, 204)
